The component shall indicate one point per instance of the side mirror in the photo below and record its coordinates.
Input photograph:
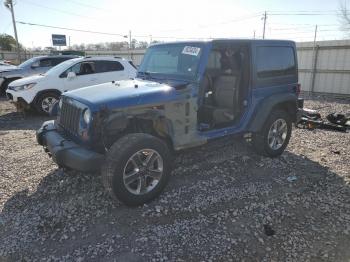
(71, 75)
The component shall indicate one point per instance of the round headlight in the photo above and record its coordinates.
(87, 116)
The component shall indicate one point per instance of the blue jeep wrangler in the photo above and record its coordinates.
(185, 94)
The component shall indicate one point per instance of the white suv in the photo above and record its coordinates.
(41, 92)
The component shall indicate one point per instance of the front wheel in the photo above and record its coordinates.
(46, 101)
(137, 168)
(274, 137)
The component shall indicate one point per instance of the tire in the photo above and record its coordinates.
(120, 168)
(50, 98)
(5, 84)
(264, 144)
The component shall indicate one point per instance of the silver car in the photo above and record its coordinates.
(34, 66)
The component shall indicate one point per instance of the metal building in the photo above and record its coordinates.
(325, 67)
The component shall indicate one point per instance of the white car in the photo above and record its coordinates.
(41, 92)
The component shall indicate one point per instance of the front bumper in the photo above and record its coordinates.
(19, 102)
(26, 95)
(66, 153)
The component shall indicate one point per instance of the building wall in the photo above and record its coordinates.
(325, 68)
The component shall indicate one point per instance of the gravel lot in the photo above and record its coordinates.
(223, 203)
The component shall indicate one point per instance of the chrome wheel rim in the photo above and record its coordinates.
(143, 171)
(277, 134)
(47, 103)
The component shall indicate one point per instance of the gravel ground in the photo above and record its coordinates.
(223, 203)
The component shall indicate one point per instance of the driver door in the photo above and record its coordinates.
(84, 75)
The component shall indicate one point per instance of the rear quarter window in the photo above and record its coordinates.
(275, 65)
(275, 62)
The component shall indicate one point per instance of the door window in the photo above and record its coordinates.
(82, 68)
(108, 66)
(46, 62)
(58, 60)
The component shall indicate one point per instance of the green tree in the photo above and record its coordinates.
(7, 42)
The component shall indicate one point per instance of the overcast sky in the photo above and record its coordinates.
(176, 20)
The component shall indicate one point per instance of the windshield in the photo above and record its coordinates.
(58, 69)
(175, 60)
(28, 62)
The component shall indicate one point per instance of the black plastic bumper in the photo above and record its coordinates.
(66, 153)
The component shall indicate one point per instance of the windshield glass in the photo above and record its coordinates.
(58, 69)
(176, 60)
(28, 62)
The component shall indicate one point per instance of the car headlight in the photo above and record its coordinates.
(87, 116)
(22, 87)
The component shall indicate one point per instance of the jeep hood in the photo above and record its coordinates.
(124, 93)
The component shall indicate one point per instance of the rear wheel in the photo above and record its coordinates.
(46, 101)
(274, 136)
(137, 168)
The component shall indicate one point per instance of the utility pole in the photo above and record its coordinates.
(254, 34)
(314, 62)
(9, 5)
(264, 18)
(315, 36)
(130, 39)
(130, 44)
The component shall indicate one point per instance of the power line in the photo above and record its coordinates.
(238, 19)
(113, 34)
(303, 25)
(300, 14)
(305, 11)
(71, 29)
(87, 5)
(234, 20)
(58, 10)
(298, 35)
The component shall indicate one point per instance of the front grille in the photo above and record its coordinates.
(70, 117)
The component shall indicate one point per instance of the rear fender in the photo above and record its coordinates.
(287, 102)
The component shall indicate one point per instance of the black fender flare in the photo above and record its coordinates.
(117, 122)
(263, 110)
